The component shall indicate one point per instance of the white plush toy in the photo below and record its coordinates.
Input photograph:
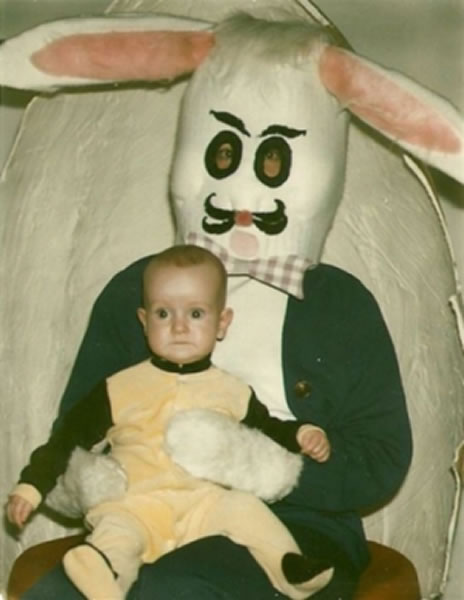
(292, 100)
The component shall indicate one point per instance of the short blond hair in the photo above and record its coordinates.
(187, 255)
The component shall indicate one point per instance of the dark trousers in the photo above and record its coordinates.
(212, 568)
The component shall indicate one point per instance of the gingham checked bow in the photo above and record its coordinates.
(283, 272)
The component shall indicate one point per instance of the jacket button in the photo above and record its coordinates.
(303, 389)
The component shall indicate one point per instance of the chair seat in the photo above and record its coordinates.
(389, 576)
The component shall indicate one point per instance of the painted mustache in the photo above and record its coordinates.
(269, 222)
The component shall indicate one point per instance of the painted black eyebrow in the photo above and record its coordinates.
(230, 119)
(283, 130)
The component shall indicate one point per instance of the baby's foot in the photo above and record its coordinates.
(298, 568)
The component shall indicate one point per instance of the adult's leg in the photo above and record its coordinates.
(215, 568)
(209, 569)
(53, 586)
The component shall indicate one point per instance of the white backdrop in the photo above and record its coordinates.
(82, 174)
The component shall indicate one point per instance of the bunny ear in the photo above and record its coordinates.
(76, 52)
(421, 122)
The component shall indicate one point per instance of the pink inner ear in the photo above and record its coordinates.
(125, 56)
(384, 104)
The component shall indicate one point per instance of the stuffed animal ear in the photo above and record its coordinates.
(420, 121)
(76, 52)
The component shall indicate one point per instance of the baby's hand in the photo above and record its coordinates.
(313, 442)
(18, 510)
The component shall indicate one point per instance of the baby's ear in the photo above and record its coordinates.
(142, 317)
(224, 321)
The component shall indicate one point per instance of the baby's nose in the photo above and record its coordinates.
(179, 324)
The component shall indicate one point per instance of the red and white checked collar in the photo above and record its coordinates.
(283, 272)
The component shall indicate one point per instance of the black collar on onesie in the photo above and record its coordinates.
(171, 367)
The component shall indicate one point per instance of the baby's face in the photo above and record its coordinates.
(184, 316)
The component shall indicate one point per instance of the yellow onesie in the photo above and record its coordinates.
(165, 507)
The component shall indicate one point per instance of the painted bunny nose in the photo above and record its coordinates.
(244, 218)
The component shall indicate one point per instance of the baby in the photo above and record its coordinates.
(184, 313)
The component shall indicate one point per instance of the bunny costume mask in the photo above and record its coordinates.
(262, 179)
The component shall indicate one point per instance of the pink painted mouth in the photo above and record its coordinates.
(243, 245)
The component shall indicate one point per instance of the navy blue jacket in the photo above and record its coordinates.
(340, 372)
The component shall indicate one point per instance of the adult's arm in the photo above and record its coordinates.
(113, 340)
(357, 396)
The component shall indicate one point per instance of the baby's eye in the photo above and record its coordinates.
(161, 313)
(197, 313)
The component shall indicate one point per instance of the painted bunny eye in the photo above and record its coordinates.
(273, 161)
(223, 154)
